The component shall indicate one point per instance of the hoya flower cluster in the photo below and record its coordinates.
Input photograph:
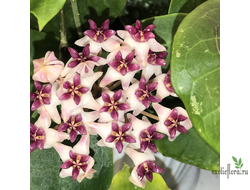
(73, 87)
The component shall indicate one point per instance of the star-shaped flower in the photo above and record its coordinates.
(164, 87)
(144, 132)
(76, 161)
(99, 38)
(112, 135)
(144, 166)
(46, 96)
(155, 62)
(123, 67)
(113, 106)
(172, 122)
(43, 136)
(74, 90)
(140, 40)
(48, 68)
(82, 63)
(86, 99)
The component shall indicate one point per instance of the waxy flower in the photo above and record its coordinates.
(41, 135)
(140, 40)
(144, 166)
(138, 34)
(48, 68)
(144, 133)
(112, 135)
(155, 62)
(74, 125)
(123, 67)
(113, 105)
(118, 135)
(73, 82)
(167, 83)
(76, 161)
(82, 63)
(99, 38)
(41, 96)
(74, 90)
(144, 93)
(172, 122)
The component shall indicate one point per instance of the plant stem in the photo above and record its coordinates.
(76, 17)
(63, 34)
(150, 115)
(115, 85)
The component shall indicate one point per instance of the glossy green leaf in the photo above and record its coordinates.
(121, 181)
(183, 6)
(165, 28)
(190, 149)
(40, 43)
(45, 10)
(195, 69)
(45, 168)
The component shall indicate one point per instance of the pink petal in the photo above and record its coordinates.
(118, 56)
(114, 64)
(47, 88)
(160, 61)
(149, 28)
(163, 54)
(38, 85)
(133, 67)
(114, 114)
(123, 71)
(105, 24)
(89, 33)
(67, 85)
(46, 100)
(33, 95)
(115, 127)
(143, 145)
(182, 118)
(92, 24)
(152, 147)
(146, 102)
(131, 29)
(75, 173)
(63, 127)
(73, 135)
(85, 51)
(130, 57)
(117, 96)
(129, 139)
(138, 25)
(36, 104)
(77, 99)
(82, 129)
(142, 84)
(105, 97)
(77, 80)
(152, 86)
(119, 146)
(154, 99)
(174, 114)
(66, 164)
(158, 136)
(110, 139)
(123, 106)
(172, 132)
(83, 90)
(33, 146)
(181, 129)
(151, 129)
(149, 176)
(126, 127)
(104, 109)
(74, 54)
(109, 33)
(65, 96)
(148, 36)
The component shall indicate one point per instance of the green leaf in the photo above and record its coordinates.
(165, 28)
(239, 161)
(195, 69)
(190, 149)
(120, 181)
(40, 43)
(183, 6)
(237, 167)
(45, 10)
(241, 165)
(235, 159)
(45, 168)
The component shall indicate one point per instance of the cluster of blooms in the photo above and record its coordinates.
(81, 114)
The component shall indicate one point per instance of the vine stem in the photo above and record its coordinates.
(63, 34)
(76, 17)
(150, 115)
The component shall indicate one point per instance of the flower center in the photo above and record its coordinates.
(112, 105)
(119, 135)
(74, 90)
(175, 123)
(41, 95)
(74, 125)
(76, 163)
(99, 31)
(148, 138)
(145, 94)
(123, 64)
